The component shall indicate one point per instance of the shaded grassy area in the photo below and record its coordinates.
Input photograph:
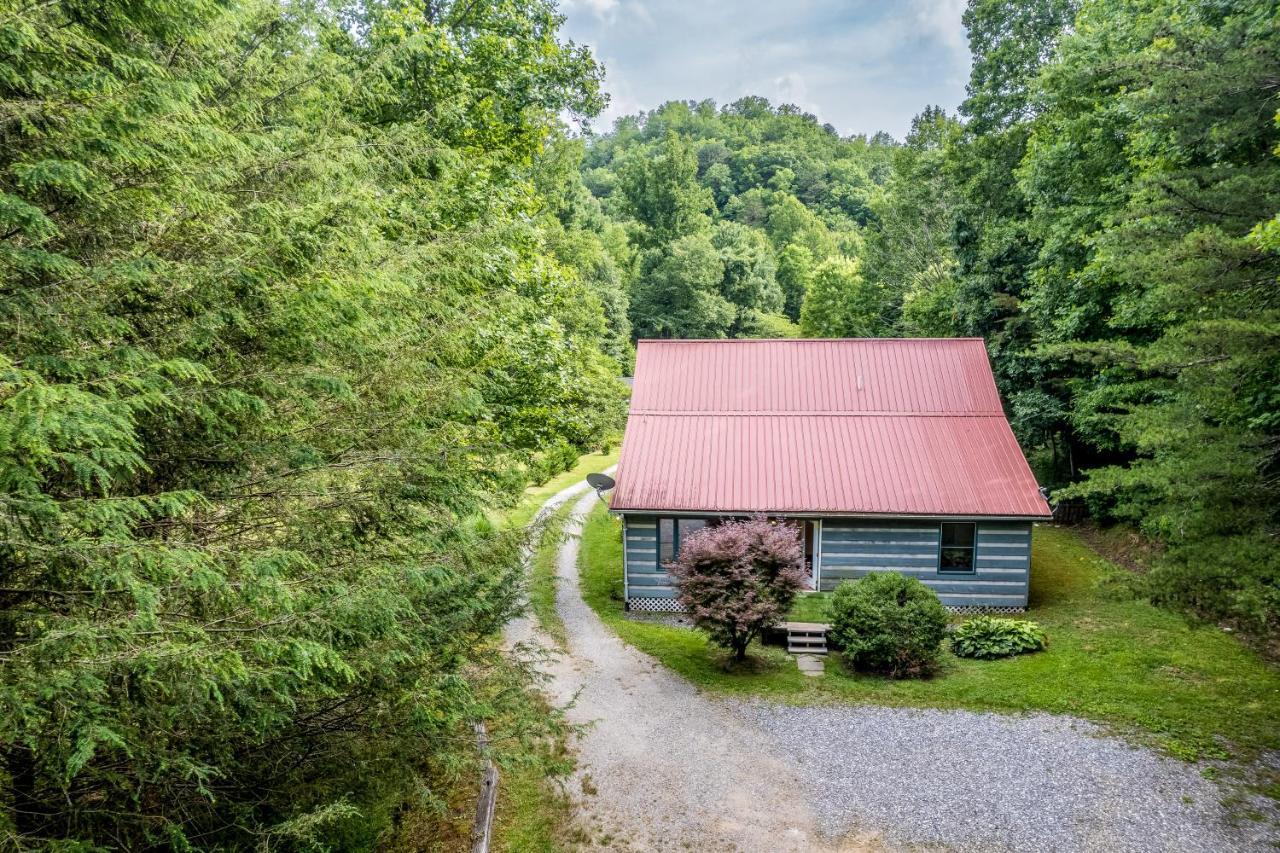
(542, 575)
(533, 814)
(810, 607)
(1192, 689)
(532, 811)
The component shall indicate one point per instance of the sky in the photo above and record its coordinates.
(862, 65)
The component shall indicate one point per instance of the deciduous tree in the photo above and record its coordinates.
(662, 193)
(841, 303)
(739, 578)
(795, 272)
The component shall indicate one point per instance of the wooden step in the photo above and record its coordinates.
(806, 638)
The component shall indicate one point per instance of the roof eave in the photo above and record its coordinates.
(833, 513)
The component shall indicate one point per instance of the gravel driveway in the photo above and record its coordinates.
(663, 766)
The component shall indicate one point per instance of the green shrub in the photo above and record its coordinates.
(888, 623)
(986, 637)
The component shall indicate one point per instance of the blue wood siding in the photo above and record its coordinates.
(852, 548)
(645, 578)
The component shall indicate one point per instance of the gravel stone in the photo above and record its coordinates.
(972, 781)
(671, 768)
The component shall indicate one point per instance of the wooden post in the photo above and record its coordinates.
(483, 827)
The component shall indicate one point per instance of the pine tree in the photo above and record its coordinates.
(277, 323)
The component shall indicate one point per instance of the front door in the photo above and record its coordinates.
(810, 549)
(808, 532)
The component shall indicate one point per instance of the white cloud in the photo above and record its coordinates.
(601, 8)
(791, 86)
(863, 65)
(609, 12)
(621, 103)
(941, 18)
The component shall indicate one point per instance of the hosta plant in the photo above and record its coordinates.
(988, 637)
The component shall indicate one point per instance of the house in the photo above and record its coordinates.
(887, 455)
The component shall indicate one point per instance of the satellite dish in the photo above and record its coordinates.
(600, 482)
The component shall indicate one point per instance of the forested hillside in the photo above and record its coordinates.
(1115, 221)
(284, 306)
(1102, 211)
(722, 217)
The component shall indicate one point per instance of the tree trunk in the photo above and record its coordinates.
(20, 761)
(20, 764)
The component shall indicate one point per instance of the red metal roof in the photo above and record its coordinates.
(873, 426)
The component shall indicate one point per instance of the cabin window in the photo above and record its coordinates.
(956, 554)
(671, 531)
(666, 540)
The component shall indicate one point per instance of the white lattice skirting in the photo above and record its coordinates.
(654, 605)
(981, 610)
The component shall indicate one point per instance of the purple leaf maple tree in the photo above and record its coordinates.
(739, 578)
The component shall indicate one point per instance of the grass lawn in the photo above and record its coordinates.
(810, 607)
(1191, 689)
(542, 576)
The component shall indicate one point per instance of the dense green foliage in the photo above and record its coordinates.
(888, 623)
(731, 213)
(289, 292)
(989, 637)
(1141, 341)
(1103, 213)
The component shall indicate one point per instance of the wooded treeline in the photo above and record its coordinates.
(284, 307)
(1103, 212)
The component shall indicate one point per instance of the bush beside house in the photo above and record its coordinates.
(738, 579)
(988, 637)
(889, 624)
